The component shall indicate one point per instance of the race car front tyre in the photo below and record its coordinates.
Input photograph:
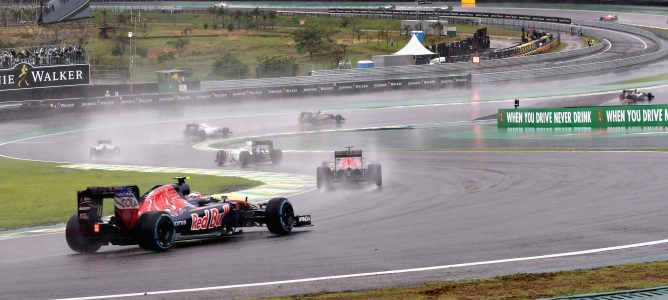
(279, 216)
(650, 96)
(375, 174)
(323, 178)
(244, 158)
(155, 231)
(221, 157)
(76, 239)
(276, 156)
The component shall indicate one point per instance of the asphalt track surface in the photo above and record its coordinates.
(435, 208)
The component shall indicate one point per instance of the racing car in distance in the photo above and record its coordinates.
(608, 18)
(387, 7)
(205, 131)
(320, 118)
(633, 96)
(443, 9)
(167, 214)
(348, 167)
(251, 152)
(105, 148)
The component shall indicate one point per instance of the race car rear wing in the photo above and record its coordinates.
(348, 153)
(89, 201)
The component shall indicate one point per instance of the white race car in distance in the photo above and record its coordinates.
(104, 148)
(205, 131)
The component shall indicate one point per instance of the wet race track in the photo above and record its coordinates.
(460, 198)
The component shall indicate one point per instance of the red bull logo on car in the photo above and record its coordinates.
(212, 219)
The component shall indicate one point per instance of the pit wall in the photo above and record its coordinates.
(596, 116)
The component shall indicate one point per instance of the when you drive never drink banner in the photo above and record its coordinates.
(597, 116)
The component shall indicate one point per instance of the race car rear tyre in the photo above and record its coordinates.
(376, 174)
(650, 96)
(226, 132)
(323, 178)
(279, 215)
(339, 118)
(276, 156)
(221, 157)
(155, 231)
(76, 239)
(244, 158)
(202, 134)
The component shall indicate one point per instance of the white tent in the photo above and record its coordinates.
(414, 47)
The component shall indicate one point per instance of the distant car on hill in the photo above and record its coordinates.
(443, 9)
(221, 5)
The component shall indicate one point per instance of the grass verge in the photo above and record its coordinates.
(35, 193)
(523, 286)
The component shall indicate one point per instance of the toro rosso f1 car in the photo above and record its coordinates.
(205, 131)
(348, 167)
(632, 96)
(319, 118)
(165, 215)
(251, 152)
(104, 148)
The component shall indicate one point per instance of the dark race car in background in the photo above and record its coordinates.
(630, 96)
(206, 131)
(251, 152)
(320, 118)
(163, 216)
(105, 148)
(348, 167)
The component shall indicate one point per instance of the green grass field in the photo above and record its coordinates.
(35, 193)
(523, 286)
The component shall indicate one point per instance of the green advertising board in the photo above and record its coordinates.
(595, 116)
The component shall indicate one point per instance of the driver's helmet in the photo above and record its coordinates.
(193, 196)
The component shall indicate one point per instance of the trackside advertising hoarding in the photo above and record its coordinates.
(25, 76)
(597, 116)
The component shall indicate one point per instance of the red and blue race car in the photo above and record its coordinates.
(168, 214)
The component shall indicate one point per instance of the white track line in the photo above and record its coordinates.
(381, 273)
(587, 57)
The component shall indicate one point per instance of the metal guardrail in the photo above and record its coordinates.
(605, 64)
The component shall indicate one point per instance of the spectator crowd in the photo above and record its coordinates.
(45, 56)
